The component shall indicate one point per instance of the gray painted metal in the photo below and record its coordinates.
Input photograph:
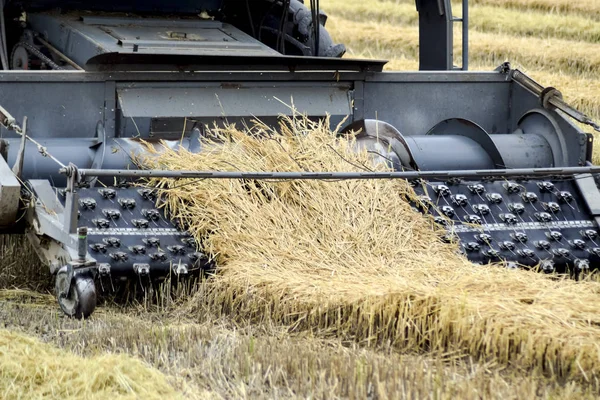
(465, 35)
(589, 191)
(136, 44)
(452, 152)
(82, 39)
(524, 150)
(173, 6)
(476, 133)
(460, 144)
(10, 193)
(67, 110)
(48, 221)
(523, 102)
(476, 174)
(223, 75)
(272, 76)
(114, 153)
(435, 35)
(49, 214)
(541, 123)
(70, 105)
(416, 107)
(234, 99)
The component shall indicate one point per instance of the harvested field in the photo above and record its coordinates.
(589, 8)
(212, 358)
(30, 369)
(505, 21)
(21, 267)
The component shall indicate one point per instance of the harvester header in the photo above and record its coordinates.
(87, 88)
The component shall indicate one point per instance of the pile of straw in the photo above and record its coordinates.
(30, 369)
(352, 259)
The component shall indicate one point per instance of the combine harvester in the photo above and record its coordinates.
(85, 82)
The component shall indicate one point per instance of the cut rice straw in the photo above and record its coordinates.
(352, 259)
(30, 369)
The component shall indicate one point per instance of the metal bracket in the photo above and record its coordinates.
(436, 37)
(590, 194)
(7, 120)
(82, 260)
(70, 215)
(18, 167)
(551, 98)
(10, 193)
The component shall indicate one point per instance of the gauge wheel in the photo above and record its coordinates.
(81, 301)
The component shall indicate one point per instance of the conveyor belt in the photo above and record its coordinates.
(524, 222)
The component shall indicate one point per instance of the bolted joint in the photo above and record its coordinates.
(141, 269)
(582, 265)
(547, 266)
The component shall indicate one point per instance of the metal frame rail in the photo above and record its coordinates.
(79, 174)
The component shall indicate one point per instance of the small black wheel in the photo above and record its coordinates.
(81, 301)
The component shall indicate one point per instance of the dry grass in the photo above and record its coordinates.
(221, 360)
(20, 266)
(503, 21)
(389, 41)
(589, 8)
(30, 369)
(352, 260)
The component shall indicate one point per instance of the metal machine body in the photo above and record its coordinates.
(92, 84)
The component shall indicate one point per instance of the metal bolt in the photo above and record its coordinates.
(517, 208)
(529, 197)
(494, 198)
(512, 187)
(460, 200)
(554, 235)
(484, 238)
(509, 218)
(473, 219)
(477, 189)
(546, 186)
(108, 193)
(543, 217)
(520, 237)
